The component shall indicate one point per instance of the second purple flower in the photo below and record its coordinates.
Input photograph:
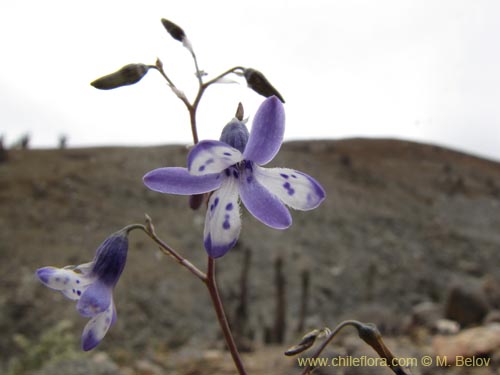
(232, 169)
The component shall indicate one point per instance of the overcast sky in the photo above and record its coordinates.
(420, 70)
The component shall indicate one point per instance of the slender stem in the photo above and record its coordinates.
(198, 71)
(209, 277)
(229, 71)
(192, 108)
(192, 119)
(221, 316)
(167, 250)
(328, 340)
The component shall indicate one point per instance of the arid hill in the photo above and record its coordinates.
(402, 222)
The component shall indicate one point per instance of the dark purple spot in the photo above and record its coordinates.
(58, 279)
(289, 188)
(209, 161)
(227, 153)
(79, 292)
(283, 175)
(249, 179)
(212, 207)
(294, 176)
(226, 225)
(201, 169)
(229, 207)
(248, 165)
(235, 173)
(228, 172)
(218, 176)
(216, 201)
(74, 291)
(78, 281)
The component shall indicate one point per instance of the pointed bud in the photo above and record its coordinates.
(239, 112)
(128, 75)
(259, 83)
(370, 334)
(159, 64)
(307, 341)
(175, 31)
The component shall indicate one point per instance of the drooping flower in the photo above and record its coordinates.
(92, 284)
(232, 169)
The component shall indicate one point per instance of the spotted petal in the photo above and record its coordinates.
(96, 299)
(296, 189)
(261, 203)
(68, 282)
(223, 223)
(177, 180)
(96, 328)
(267, 132)
(212, 157)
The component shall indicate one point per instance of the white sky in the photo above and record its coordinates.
(422, 70)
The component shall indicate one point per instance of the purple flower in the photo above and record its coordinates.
(91, 284)
(231, 168)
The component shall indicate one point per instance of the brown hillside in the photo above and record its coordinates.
(402, 221)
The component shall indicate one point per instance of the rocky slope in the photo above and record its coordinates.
(402, 222)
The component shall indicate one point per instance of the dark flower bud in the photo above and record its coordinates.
(175, 31)
(307, 341)
(259, 83)
(128, 75)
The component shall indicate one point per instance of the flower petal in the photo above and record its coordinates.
(295, 189)
(68, 282)
(212, 157)
(96, 299)
(261, 203)
(222, 222)
(267, 132)
(179, 181)
(96, 328)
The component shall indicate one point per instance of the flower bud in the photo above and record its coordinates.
(128, 75)
(239, 112)
(259, 83)
(175, 31)
(235, 134)
(307, 341)
(111, 257)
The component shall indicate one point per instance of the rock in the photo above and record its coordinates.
(492, 317)
(446, 327)
(145, 366)
(469, 343)
(491, 287)
(425, 314)
(466, 304)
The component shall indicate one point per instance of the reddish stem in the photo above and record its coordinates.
(221, 316)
